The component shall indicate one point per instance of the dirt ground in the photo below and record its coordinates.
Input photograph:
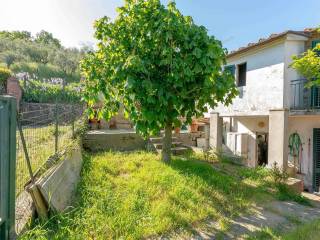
(277, 215)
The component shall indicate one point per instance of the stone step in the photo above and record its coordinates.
(159, 145)
(159, 139)
(179, 150)
(176, 150)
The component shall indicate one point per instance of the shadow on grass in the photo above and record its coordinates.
(235, 196)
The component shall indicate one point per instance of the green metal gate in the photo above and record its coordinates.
(7, 165)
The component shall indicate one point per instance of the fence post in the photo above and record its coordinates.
(32, 188)
(7, 166)
(73, 120)
(56, 128)
(25, 150)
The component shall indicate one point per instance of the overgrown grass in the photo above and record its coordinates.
(286, 194)
(307, 231)
(40, 143)
(135, 195)
(265, 234)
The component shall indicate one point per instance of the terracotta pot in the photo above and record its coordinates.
(112, 124)
(194, 127)
(94, 124)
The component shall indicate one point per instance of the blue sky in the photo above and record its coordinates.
(238, 22)
(234, 22)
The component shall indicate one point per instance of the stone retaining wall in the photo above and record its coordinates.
(45, 112)
(117, 140)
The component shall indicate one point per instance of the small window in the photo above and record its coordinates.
(242, 74)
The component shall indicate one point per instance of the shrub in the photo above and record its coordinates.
(5, 73)
(278, 175)
(284, 193)
(36, 91)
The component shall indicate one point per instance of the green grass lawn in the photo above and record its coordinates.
(135, 195)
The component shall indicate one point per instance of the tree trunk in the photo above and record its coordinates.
(166, 144)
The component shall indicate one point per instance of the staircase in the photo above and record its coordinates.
(155, 144)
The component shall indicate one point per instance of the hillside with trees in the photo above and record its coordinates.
(46, 69)
(41, 57)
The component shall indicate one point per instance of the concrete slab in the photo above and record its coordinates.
(58, 184)
(117, 140)
(24, 211)
(295, 185)
(109, 131)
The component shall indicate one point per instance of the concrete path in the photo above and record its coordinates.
(277, 215)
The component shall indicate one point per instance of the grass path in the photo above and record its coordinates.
(276, 220)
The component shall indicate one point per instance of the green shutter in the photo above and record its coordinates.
(314, 43)
(316, 159)
(231, 69)
(315, 97)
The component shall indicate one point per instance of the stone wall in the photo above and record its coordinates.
(44, 113)
(116, 140)
(117, 122)
(197, 139)
(14, 89)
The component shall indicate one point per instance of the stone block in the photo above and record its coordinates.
(187, 138)
(201, 142)
(295, 185)
(14, 89)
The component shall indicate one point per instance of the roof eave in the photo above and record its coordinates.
(265, 42)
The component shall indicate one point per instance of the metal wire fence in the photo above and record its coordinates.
(47, 130)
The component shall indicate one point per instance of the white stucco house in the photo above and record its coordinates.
(273, 104)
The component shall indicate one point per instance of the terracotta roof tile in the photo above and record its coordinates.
(271, 37)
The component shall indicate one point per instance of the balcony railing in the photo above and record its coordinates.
(303, 98)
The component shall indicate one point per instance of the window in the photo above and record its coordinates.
(242, 74)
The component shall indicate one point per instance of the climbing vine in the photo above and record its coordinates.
(295, 148)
